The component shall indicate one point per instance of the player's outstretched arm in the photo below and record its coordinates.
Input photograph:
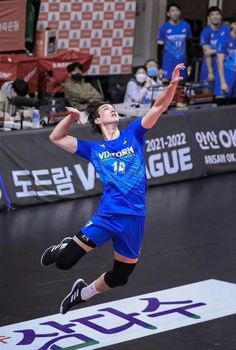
(164, 99)
(60, 136)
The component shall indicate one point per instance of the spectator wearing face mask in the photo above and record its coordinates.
(152, 71)
(153, 75)
(77, 91)
(137, 87)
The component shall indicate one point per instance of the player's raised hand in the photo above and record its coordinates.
(176, 78)
(75, 113)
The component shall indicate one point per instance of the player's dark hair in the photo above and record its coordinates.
(213, 9)
(92, 114)
(72, 66)
(20, 87)
(173, 4)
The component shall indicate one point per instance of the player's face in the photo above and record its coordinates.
(107, 114)
(215, 17)
(174, 13)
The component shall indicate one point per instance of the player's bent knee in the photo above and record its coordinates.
(69, 256)
(119, 275)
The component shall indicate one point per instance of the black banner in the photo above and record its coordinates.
(215, 132)
(179, 147)
(171, 153)
(37, 171)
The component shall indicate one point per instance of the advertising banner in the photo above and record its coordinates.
(115, 322)
(12, 25)
(215, 132)
(104, 29)
(179, 147)
(36, 171)
(171, 153)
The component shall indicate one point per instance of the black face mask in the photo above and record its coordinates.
(76, 77)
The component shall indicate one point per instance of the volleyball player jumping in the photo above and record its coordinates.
(119, 160)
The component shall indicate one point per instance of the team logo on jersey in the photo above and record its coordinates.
(102, 145)
(222, 33)
(184, 30)
(122, 153)
(169, 31)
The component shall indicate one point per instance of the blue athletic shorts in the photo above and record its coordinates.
(125, 231)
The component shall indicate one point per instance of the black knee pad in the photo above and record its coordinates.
(69, 256)
(119, 275)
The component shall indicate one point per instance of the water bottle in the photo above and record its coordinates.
(53, 108)
(147, 102)
(35, 119)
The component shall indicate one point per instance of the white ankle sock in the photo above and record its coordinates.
(89, 291)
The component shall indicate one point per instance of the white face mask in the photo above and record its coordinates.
(141, 77)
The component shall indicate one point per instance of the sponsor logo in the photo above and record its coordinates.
(122, 320)
(174, 37)
(124, 152)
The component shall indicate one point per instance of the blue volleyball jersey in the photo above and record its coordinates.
(174, 37)
(120, 164)
(211, 38)
(227, 46)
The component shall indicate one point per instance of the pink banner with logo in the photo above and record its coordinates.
(12, 25)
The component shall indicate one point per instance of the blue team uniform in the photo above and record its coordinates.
(211, 38)
(120, 164)
(174, 38)
(227, 46)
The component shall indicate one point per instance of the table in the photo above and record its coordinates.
(16, 125)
